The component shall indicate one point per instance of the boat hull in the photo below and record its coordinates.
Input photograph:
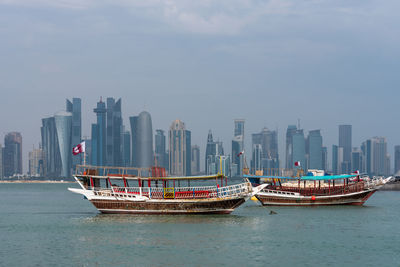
(208, 206)
(356, 198)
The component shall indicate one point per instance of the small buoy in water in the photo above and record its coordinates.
(272, 212)
(254, 198)
(312, 198)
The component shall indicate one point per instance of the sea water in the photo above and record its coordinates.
(46, 225)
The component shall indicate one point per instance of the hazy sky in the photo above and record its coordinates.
(206, 63)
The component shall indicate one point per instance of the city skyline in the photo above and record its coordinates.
(248, 148)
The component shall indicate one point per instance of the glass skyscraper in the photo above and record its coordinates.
(299, 149)
(289, 146)
(113, 132)
(12, 155)
(142, 140)
(179, 149)
(63, 122)
(51, 149)
(345, 136)
(160, 149)
(396, 159)
(237, 147)
(99, 135)
(74, 107)
(314, 150)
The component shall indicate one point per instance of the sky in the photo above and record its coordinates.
(272, 62)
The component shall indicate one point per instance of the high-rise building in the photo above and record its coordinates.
(74, 107)
(213, 149)
(345, 142)
(161, 154)
(63, 122)
(256, 161)
(269, 148)
(291, 130)
(357, 160)
(36, 162)
(126, 148)
(12, 157)
(299, 149)
(51, 149)
(179, 149)
(237, 159)
(396, 159)
(237, 147)
(324, 158)
(142, 140)
(1, 162)
(375, 156)
(99, 135)
(314, 150)
(113, 132)
(195, 160)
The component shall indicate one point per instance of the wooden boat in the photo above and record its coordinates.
(315, 190)
(115, 190)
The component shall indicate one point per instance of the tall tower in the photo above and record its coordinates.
(160, 149)
(314, 149)
(114, 132)
(99, 135)
(396, 159)
(142, 140)
(12, 154)
(195, 159)
(237, 147)
(63, 122)
(51, 149)
(179, 149)
(345, 142)
(299, 148)
(74, 107)
(289, 146)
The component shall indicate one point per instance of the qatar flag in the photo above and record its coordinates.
(357, 172)
(297, 164)
(80, 148)
(240, 153)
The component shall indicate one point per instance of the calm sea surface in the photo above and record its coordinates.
(46, 225)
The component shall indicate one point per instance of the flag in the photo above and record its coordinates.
(80, 148)
(357, 172)
(240, 153)
(297, 164)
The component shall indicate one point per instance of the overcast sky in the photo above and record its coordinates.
(327, 62)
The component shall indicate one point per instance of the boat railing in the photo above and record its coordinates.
(332, 190)
(196, 192)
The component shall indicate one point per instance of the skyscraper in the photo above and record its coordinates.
(126, 148)
(335, 164)
(213, 149)
(269, 148)
(179, 149)
(237, 147)
(289, 146)
(12, 156)
(142, 140)
(160, 149)
(36, 160)
(396, 159)
(324, 158)
(345, 137)
(299, 148)
(256, 163)
(99, 135)
(74, 107)
(63, 122)
(51, 149)
(195, 160)
(375, 156)
(113, 132)
(314, 150)
(1, 162)
(357, 160)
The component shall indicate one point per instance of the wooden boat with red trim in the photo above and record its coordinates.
(315, 190)
(116, 190)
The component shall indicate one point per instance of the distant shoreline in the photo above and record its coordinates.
(35, 182)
